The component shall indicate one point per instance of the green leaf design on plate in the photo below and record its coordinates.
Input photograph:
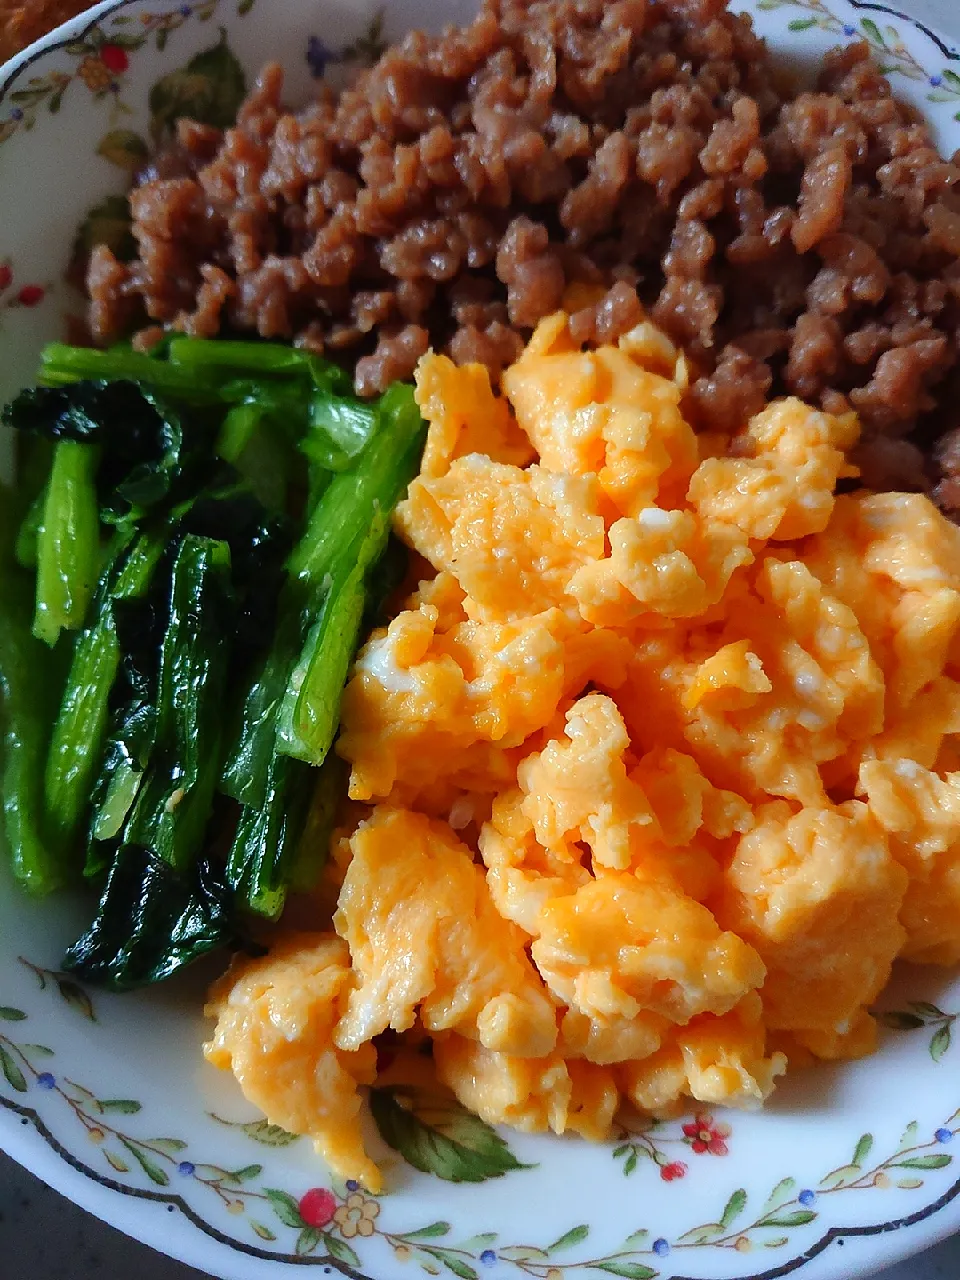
(801, 24)
(898, 1020)
(432, 1232)
(107, 223)
(340, 1250)
(796, 1218)
(700, 1235)
(262, 1131)
(115, 1162)
(263, 1232)
(11, 1015)
(862, 1149)
(170, 1146)
(923, 1162)
(631, 1270)
(951, 78)
(940, 1042)
(873, 32)
(123, 148)
(245, 1174)
(11, 1070)
(733, 1208)
(71, 991)
(143, 1159)
(120, 1106)
(209, 88)
(927, 1010)
(307, 1240)
(454, 1264)
(569, 1238)
(244, 7)
(285, 1207)
(780, 1194)
(454, 1144)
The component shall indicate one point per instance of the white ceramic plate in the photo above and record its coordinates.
(108, 1099)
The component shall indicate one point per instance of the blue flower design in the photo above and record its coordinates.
(185, 10)
(319, 55)
(943, 1135)
(46, 1081)
(352, 1184)
(488, 1258)
(807, 1198)
(16, 114)
(187, 1168)
(661, 1247)
(848, 30)
(936, 80)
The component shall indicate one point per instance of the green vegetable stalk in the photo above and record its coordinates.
(68, 542)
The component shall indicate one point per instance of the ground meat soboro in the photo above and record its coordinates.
(805, 243)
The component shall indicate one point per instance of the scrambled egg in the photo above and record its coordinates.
(659, 762)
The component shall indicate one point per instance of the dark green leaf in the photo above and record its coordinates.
(923, 1162)
(863, 1149)
(926, 1010)
(466, 1149)
(120, 1106)
(149, 1166)
(151, 922)
(246, 1173)
(574, 1236)
(124, 148)
(630, 1270)
(285, 1207)
(630, 1164)
(11, 1070)
(951, 77)
(801, 24)
(796, 1218)
(940, 1042)
(873, 32)
(900, 1021)
(733, 1208)
(107, 223)
(338, 1249)
(434, 1230)
(7, 1014)
(307, 1240)
(209, 88)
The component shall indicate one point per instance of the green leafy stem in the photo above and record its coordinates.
(920, 1013)
(69, 991)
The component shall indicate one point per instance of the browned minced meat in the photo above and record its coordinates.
(803, 243)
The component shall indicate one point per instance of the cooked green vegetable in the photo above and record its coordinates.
(151, 921)
(209, 521)
(345, 539)
(28, 690)
(68, 543)
(171, 811)
(77, 741)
